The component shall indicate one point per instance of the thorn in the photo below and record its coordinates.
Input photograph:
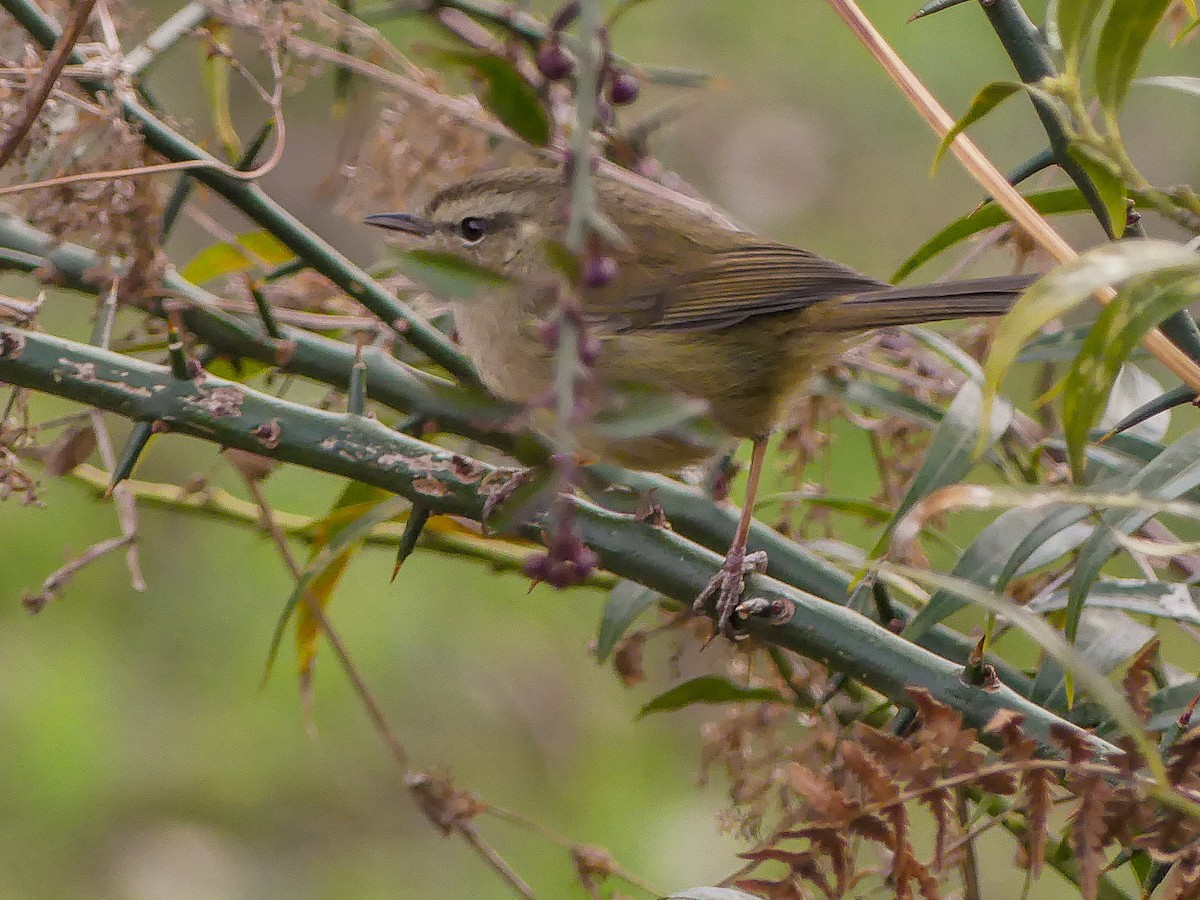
(133, 448)
(356, 399)
(932, 7)
(270, 323)
(178, 356)
(102, 332)
(417, 517)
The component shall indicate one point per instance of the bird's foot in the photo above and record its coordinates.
(727, 585)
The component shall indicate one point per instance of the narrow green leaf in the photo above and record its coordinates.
(449, 276)
(1133, 388)
(1109, 185)
(1107, 639)
(1186, 83)
(1001, 552)
(625, 603)
(877, 397)
(1065, 288)
(989, 97)
(1076, 19)
(1173, 472)
(636, 411)
(1128, 29)
(1137, 308)
(707, 689)
(1168, 704)
(508, 96)
(1048, 203)
(1160, 599)
(951, 453)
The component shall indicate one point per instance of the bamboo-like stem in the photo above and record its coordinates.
(991, 179)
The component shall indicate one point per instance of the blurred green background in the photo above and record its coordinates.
(139, 758)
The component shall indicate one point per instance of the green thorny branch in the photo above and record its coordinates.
(359, 447)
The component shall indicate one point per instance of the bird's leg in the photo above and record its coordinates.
(728, 584)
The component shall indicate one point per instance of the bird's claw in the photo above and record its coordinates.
(727, 585)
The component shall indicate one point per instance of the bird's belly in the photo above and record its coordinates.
(745, 376)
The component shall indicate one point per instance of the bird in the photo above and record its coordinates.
(693, 308)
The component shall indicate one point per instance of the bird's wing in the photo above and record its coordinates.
(736, 284)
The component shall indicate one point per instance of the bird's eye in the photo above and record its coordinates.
(472, 229)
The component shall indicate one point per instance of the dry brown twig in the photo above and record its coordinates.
(36, 98)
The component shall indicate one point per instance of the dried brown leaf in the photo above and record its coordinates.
(826, 800)
(1036, 785)
(71, 449)
(1138, 679)
(1087, 835)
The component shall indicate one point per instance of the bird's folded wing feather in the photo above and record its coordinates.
(735, 285)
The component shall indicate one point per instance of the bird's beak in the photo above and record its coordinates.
(401, 222)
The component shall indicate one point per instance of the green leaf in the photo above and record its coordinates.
(508, 96)
(251, 249)
(449, 276)
(1048, 203)
(1168, 704)
(989, 97)
(951, 453)
(1107, 639)
(1128, 29)
(1001, 552)
(707, 689)
(625, 603)
(1137, 308)
(1186, 83)
(869, 395)
(1160, 599)
(1076, 19)
(1173, 472)
(637, 411)
(1066, 287)
(1109, 185)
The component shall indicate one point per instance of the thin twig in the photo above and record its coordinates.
(123, 500)
(59, 578)
(165, 36)
(471, 835)
(36, 98)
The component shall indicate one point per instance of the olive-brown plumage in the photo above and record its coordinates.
(695, 309)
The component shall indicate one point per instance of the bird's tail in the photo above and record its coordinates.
(927, 303)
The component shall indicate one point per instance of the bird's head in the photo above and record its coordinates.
(494, 219)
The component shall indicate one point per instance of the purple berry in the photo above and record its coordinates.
(548, 332)
(623, 88)
(598, 270)
(553, 61)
